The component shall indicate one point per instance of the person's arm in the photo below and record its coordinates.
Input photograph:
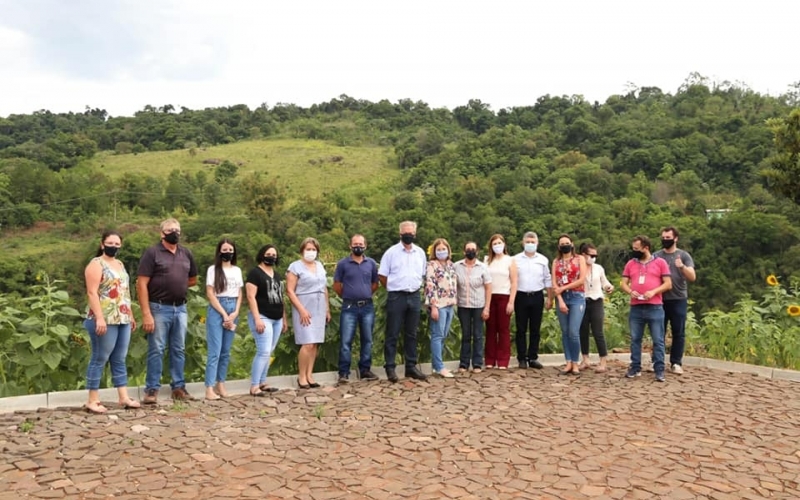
(235, 314)
(625, 286)
(338, 278)
(338, 288)
(211, 294)
(581, 278)
(327, 306)
(251, 290)
(291, 287)
(687, 269)
(513, 277)
(375, 282)
(148, 323)
(548, 286)
(487, 291)
(431, 299)
(93, 275)
(604, 283)
(192, 271)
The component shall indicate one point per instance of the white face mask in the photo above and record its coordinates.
(530, 247)
(498, 248)
(591, 260)
(310, 255)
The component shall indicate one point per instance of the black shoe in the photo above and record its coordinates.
(534, 363)
(413, 372)
(391, 375)
(344, 379)
(368, 375)
(314, 385)
(523, 365)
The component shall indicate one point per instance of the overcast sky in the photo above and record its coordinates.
(122, 55)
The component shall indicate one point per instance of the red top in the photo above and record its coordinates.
(568, 272)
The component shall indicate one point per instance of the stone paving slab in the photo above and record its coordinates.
(497, 434)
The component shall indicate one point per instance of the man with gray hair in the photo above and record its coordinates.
(533, 279)
(402, 272)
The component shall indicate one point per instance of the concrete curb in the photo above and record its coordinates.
(54, 400)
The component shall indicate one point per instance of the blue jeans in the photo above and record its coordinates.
(675, 312)
(439, 331)
(170, 327)
(265, 345)
(219, 341)
(652, 316)
(112, 348)
(571, 324)
(364, 317)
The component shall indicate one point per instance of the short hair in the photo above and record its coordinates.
(436, 243)
(643, 240)
(358, 236)
(471, 243)
(530, 234)
(308, 240)
(169, 222)
(586, 246)
(671, 228)
(408, 223)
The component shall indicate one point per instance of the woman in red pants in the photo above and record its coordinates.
(504, 289)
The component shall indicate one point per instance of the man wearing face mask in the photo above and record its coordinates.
(166, 271)
(645, 278)
(402, 271)
(355, 281)
(676, 301)
(534, 280)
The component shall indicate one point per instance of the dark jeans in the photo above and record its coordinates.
(528, 309)
(471, 337)
(353, 316)
(402, 312)
(675, 316)
(593, 319)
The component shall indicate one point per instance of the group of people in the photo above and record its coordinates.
(483, 292)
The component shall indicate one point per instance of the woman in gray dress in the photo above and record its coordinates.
(307, 288)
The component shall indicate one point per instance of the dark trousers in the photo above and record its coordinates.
(402, 312)
(675, 312)
(471, 337)
(593, 319)
(528, 309)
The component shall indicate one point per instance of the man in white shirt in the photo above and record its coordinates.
(402, 272)
(533, 280)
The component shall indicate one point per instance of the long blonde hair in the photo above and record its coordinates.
(490, 253)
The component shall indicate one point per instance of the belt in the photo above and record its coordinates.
(174, 303)
(357, 303)
(538, 292)
(404, 292)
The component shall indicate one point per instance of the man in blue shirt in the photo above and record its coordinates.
(402, 272)
(355, 281)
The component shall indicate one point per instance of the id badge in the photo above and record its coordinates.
(641, 280)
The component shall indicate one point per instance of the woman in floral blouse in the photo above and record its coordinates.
(440, 297)
(109, 322)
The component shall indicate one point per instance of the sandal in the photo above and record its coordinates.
(95, 408)
(130, 404)
(259, 394)
(266, 388)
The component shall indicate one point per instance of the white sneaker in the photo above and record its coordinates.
(677, 370)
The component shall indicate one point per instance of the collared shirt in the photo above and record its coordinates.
(356, 277)
(646, 276)
(680, 287)
(404, 269)
(533, 272)
(471, 284)
(169, 272)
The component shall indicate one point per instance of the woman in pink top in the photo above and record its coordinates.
(569, 274)
(504, 290)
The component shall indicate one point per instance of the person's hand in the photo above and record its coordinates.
(649, 294)
(609, 288)
(232, 316)
(284, 326)
(548, 303)
(485, 313)
(678, 263)
(328, 316)
(260, 326)
(100, 327)
(557, 290)
(562, 306)
(305, 318)
(148, 323)
(434, 313)
(133, 324)
(510, 308)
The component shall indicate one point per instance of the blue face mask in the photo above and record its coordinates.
(530, 247)
(442, 254)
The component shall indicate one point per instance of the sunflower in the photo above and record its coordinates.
(772, 280)
(202, 320)
(793, 310)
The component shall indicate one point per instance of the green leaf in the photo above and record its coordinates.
(60, 330)
(70, 311)
(30, 322)
(38, 341)
(51, 359)
(61, 296)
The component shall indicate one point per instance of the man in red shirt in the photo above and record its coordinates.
(645, 279)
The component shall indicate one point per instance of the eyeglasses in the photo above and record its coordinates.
(592, 254)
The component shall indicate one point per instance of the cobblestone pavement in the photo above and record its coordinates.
(498, 434)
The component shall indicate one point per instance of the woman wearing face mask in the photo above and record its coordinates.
(267, 317)
(503, 270)
(307, 288)
(223, 289)
(569, 274)
(595, 286)
(109, 322)
(474, 294)
(440, 297)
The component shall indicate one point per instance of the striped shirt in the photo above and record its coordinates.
(471, 284)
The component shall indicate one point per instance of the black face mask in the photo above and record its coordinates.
(565, 248)
(270, 260)
(637, 254)
(470, 254)
(407, 238)
(358, 251)
(110, 251)
(226, 256)
(172, 238)
(667, 244)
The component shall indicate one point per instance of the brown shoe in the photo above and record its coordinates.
(180, 394)
(150, 397)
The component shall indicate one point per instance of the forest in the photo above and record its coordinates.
(717, 160)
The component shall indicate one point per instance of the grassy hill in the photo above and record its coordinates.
(303, 166)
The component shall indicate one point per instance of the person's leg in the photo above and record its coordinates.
(156, 343)
(411, 324)
(395, 309)
(655, 321)
(366, 324)
(276, 327)
(214, 346)
(535, 318)
(101, 351)
(477, 337)
(676, 311)
(261, 359)
(465, 318)
(584, 335)
(313, 349)
(177, 346)
(577, 308)
(492, 329)
(636, 322)
(504, 334)
(563, 323)
(522, 310)
(437, 338)
(303, 356)
(596, 312)
(228, 337)
(347, 331)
